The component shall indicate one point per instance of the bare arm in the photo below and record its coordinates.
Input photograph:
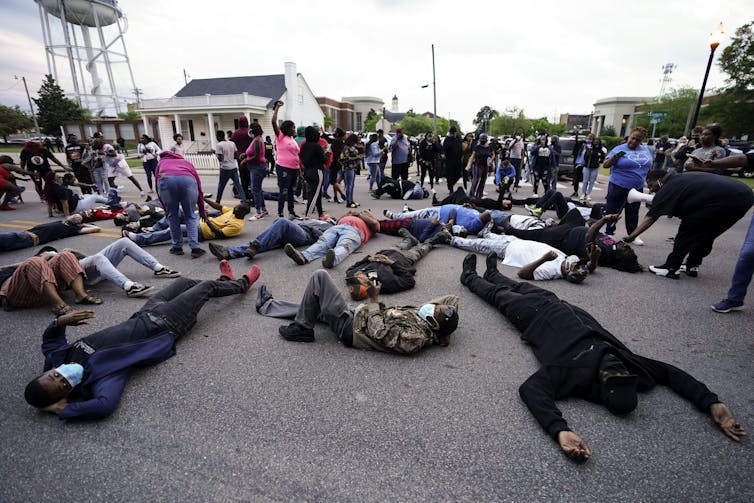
(89, 229)
(214, 205)
(591, 234)
(275, 109)
(369, 219)
(732, 161)
(527, 271)
(643, 225)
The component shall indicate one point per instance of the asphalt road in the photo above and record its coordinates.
(241, 414)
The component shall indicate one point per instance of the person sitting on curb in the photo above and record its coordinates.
(103, 266)
(402, 330)
(339, 241)
(282, 231)
(228, 224)
(580, 358)
(85, 380)
(45, 233)
(394, 270)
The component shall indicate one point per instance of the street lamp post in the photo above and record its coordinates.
(434, 92)
(714, 41)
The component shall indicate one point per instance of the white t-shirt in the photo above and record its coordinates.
(228, 150)
(521, 252)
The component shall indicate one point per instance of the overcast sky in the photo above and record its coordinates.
(546, 57)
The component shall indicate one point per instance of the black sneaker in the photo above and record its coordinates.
(252, 250)
(197, 252)
(692, 271)
(138, 290)
(328, 262)
(469, 268)
(491, 264)
(443, 237)
(293, 253)
(176, 251)
(166, 273)
(387, 213)
(219, 251)
(405, 234)
(297, 332)
(262, 297)
(662, 270)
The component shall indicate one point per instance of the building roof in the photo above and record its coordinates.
(394, 116)
(267, 86)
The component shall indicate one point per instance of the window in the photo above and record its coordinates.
(191, 130)
(359, 124)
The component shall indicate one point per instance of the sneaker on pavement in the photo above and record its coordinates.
(727, 305)
(405, 234)
(176, 251)
(328, 262)
(293, 253)
(197, 252)
(469, 268)
(259, 216)
(442, 237)
(130, 235)
(662, 270)
(387, 213)
(142, 194)
(252, 275)
(139, 290)
(166, 272)
(226, 271)
(219, 251)
(692, 271)
(297, 332)
(638, 242)
(263, 296)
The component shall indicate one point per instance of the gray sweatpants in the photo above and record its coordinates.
(322, 301)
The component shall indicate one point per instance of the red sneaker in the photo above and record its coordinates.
(252, 275)
(226, 271)
(7, 207)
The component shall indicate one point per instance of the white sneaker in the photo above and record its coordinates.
(142, 193)
(638, 242)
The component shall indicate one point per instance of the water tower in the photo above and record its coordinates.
(89, 40)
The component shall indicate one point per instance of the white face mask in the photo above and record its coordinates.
(456, 229)
(73, 373)
(426, 311)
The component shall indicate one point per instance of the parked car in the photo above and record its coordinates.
(742, 171)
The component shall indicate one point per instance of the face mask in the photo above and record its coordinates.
(518, 137)
(73, 373)
(589, 142)
(456, 229)
(427, 311)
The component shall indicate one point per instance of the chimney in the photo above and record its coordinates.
(291, 107)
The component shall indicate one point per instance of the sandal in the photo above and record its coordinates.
(95, 301)
(61, 310)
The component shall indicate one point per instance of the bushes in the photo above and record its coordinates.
(611, 141)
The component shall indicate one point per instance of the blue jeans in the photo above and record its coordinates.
(161, 236)
(180, 192)
(103, 265)
(149, 168)
(590, 176)
(88, 202)
(615, 201)
(15, 240)
(349, 178)
(433, 212)
(286, 184)
(744, 267)
(229, 174)
(325, 181)
(258, 172)
(281, 231)
(374, 174)
(344, 239)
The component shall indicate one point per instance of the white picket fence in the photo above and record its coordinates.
(203, 161)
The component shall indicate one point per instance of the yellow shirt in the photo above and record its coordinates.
(227, 223)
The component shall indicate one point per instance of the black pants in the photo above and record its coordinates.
(578, 175)
(517, 165)
(399, 170)
(245, 176)
(452, 173)
(427, 167)
(698, 232)
(83, 176)
(313, 192)
(181, 301)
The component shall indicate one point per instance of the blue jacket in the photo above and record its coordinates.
(501, 172)
(106, 370)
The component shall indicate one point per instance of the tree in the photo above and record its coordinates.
(415, 125)
(677, 103)
(371, 123)
(608, 130)
(54, 107)
(454, 123)
(328, 121)
(131, 115)
(733, 108)
(483, 118)
(13, 120)
(510, 122)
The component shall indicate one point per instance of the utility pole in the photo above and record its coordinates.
(434, 91)
(31, 107)
(138, 92)
(185, 77)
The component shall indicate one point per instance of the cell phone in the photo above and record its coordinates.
(620, 154)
